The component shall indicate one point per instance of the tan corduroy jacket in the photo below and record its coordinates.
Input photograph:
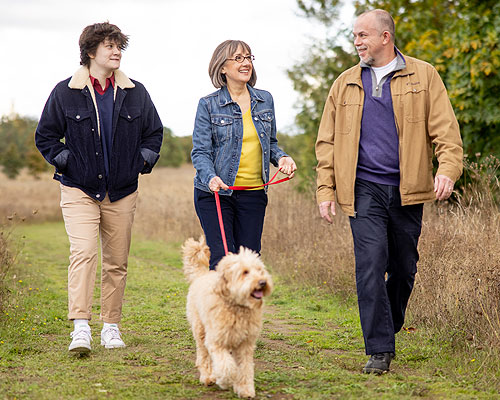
(424, 119)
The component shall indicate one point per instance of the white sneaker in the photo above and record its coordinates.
(81, 339)
(110, 337)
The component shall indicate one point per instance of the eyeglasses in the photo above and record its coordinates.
(240, 59)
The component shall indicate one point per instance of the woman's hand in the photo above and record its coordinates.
(287, 166)
(216, 184)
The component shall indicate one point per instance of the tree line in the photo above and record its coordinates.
(18, 150)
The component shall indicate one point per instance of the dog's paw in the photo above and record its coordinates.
(207, 380)
(245, 391)
(223, 383)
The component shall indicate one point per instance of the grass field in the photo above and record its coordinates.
(311, 346)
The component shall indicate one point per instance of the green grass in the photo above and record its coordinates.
(311, 346)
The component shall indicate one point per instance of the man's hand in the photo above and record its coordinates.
(325, 208)
(443, 187)
(287, 166)
(216, 184)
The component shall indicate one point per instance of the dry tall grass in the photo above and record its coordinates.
(458, 284)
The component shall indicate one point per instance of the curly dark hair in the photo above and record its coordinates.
(95, 34)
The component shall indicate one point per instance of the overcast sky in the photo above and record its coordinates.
(171, 43)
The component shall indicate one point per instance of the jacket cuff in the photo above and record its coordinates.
(325, 194)
(61, 160)
(150, 157)
(279, 154)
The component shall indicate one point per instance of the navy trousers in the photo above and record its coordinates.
(243, 215)
(385, 247)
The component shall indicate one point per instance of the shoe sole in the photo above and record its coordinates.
(375, 371)
(80, 350)
(112, 346)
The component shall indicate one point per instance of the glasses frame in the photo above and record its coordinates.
(250, 58)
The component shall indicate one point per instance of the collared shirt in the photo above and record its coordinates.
(97, 85)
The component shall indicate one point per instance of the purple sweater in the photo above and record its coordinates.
(378, 159)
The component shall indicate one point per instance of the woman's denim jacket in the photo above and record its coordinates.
(218, 135)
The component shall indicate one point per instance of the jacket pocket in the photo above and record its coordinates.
(222, 127)
(130, 118)
(415, 104)
(344, 116)
(130, 114)
(77, 116)
(79, 126)
(265, 119)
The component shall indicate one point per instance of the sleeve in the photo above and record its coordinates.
(275, 152)
(50, 132)
(324, 152)
(152, 135)
(443, 129)
(202, 153)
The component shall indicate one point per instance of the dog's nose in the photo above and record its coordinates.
(262, 284)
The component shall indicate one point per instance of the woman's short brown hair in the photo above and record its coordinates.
(224, 51)
(95, 34)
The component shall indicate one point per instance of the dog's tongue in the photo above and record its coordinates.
(258, 294)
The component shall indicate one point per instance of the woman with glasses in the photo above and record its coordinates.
(234, 141)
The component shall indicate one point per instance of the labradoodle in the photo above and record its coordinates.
(224, 309)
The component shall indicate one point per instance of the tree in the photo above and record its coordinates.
(12, 161)
(17, 146)
(460, 38)
(171, 153)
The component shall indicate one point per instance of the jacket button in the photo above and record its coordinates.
(97, 195)
(255, 118)
(99, 176)
(221, 121)
(92, 129)
(96, 153)
(128, 116)
(77, 117)
(261, 135)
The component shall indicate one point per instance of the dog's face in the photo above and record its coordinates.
(244, 278)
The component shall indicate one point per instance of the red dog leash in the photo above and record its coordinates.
(217, 202)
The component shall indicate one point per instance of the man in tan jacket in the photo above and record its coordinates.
(380, 123)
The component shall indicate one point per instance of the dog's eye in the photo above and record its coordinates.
(245, 272)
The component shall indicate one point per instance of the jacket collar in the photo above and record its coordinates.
(225, 97)
(402, 69)
(81, 78)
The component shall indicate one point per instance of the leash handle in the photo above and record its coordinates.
(219, 211)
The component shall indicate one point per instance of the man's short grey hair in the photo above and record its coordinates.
(224, 51)
(384, 20)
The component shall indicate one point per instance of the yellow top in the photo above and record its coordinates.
(250, 168)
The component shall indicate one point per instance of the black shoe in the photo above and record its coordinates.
(378, 363)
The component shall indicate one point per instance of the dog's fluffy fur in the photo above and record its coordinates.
(224, 309)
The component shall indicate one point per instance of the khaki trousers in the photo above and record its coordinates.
(86, 219)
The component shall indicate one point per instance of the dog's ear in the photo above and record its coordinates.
(222, 285)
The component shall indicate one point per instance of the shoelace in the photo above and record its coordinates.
(81, 334)
(114, 333)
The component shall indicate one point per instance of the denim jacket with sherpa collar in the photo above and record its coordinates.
(218, 136)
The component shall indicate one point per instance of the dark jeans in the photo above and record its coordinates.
(385, 242)
(243, 214)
